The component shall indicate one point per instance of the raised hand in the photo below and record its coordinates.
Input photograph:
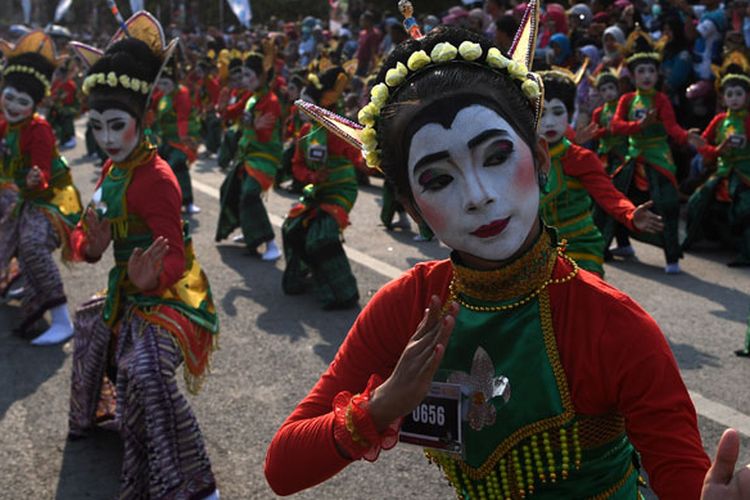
(651, 118)
(647, 221)
(98, 234)
(34, 177)
(721, 482)
(694, 138)
(144, 266)
(411, 379)
(586, 133)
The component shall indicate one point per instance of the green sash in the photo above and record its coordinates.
(651, 143)
(610, 142)
(262, 156)
(733, 160)
(166, 119)
(567, 206)
(340, 185)
(536, 444)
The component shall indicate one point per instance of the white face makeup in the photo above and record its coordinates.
(475, 183)
(17, 105)
(646, 76)
(735, 98)
(554, 121)
(165, 85)
(609, 92)
(116, 132)
(244, 78)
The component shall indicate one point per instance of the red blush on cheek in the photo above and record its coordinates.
(525, 177)
(130, 133)
(434, 216)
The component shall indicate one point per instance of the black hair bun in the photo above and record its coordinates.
(26, 82)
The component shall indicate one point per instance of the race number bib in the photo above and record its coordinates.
(436, 421)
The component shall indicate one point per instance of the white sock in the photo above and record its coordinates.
(214, 495)
(60, 330)
(272, 251)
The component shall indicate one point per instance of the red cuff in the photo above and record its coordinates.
(354, 430)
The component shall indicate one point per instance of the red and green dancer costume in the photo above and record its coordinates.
(722, 204)
(582, 400)
(43, 217)
(649, 171)
(128, 344)
(65, 107)
(611, 148)
(252, 173)
(575, 177)
(313, 227)
(231, 116)
(178, 128)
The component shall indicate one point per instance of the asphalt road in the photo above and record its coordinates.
(274, 347)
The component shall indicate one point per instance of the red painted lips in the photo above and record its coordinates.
(492, 229)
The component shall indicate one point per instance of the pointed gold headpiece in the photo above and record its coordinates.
(363, 135)
(142, 26)
(36, 41)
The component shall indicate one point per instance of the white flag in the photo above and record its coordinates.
(62, 9)
(241, 9)
(26, 6)
(136, 5)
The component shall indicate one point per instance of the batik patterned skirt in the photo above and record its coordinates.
(164, 452)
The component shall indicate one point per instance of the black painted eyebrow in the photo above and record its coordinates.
(479, 139)
(487, 134)
(430, 158)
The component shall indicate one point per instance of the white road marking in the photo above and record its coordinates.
(705, 407)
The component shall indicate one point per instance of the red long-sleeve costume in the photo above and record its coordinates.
(37, 142)
(65, 90)
(605, 374)
(161, 213)
(623, 126)
(233, 111)
(585, 165)
(711, 150)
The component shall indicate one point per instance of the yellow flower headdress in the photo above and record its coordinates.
(363, 135)
(640, 46)
(141, 26)
(734, 67)
(37, 42)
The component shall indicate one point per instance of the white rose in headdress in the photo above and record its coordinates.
(379, 94)
(367, 115)
(470, 51)
(369, 139)
(496, 59)
(418, 60)
(112, 79)
(395, 76)
(443, 52)
(517, 70)
(530, 89)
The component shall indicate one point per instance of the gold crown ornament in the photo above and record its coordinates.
(363, 135)
(38, 42)
(735, 66)
(560, 71)
(641, 46)
(142, 26)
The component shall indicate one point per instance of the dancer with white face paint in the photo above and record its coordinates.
(576, 177)
(178, 129)
(452, 124)
(312, 231)
(256, 162)
(231, 107)
(720, 208)
(646, 117)
(157, 312)
(47, 206)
